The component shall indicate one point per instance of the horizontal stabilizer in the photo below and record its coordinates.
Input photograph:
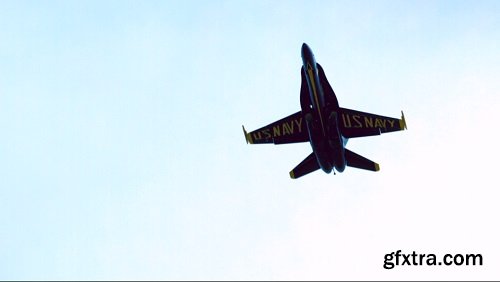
(308, 165)
(357, 161)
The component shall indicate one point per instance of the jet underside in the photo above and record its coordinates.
(324, 124)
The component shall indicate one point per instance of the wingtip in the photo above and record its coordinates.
(245, 133)
(377, 167)
(402, 121)
(248, 137)
(292, 175)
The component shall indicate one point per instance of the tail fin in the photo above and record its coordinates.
(308, 165)
(355, 160)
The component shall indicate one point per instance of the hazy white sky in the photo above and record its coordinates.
(122, 155)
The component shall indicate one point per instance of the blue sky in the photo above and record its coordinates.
(122, 155)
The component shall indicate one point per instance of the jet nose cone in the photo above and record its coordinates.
(306, 52)
(304, 49)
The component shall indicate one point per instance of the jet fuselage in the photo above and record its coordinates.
(321, 114)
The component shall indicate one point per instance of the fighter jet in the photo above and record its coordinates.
(324, 124)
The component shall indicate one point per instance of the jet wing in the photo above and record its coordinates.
(359, 124)
(291, 129)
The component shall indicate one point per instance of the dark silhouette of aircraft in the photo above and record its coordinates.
(324, 124)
